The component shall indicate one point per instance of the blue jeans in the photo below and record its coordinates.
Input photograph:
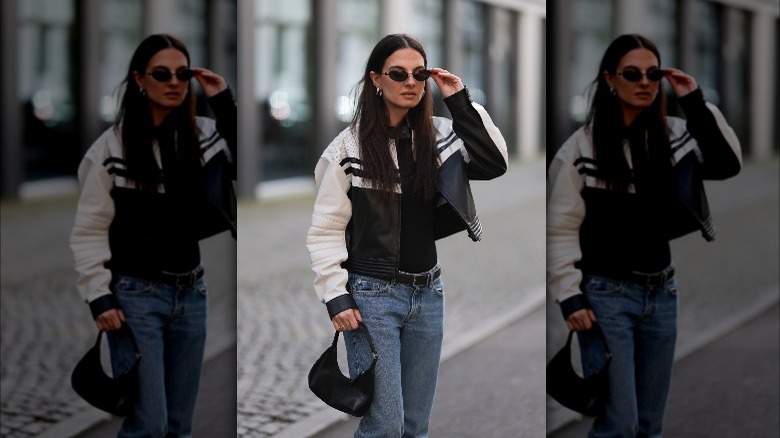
(640, 325)
(169, 325)
(407, 326)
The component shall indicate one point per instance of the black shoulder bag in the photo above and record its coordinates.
(114, 395)
(584, 395)
(336, 390)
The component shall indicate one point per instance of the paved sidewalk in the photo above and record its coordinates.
(283, 328)
(727, 389)
(46, 327)
(723, 283)
(493, 390)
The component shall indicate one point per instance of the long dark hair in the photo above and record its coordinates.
(134, 118)
(605, 117)
(371, 121)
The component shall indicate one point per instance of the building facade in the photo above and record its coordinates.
(65, 61)
(306, 56)
(729, 46)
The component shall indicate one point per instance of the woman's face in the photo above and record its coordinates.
(167, 95)
(635, 96)
(400, 96)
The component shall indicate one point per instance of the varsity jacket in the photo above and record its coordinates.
(354, 230)
(702, 147)
(105, 190)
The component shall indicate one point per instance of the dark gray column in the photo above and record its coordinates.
(763, 83)
(453, 41)
(492, 62)
(10, 122)
(248, 114)
(89, 40)
(559, 30)
(687, 38)
(323, 76)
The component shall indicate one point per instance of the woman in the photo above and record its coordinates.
(389, 186)
(152, 186)
(620, 188)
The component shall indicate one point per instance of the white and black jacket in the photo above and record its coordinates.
(702, 147)
(113, 213)
(354, 230)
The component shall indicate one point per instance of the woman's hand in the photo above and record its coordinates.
(582, 319)
(448, 83)
(211, 82)
(681, 83)
(110, 320)
(347, 320)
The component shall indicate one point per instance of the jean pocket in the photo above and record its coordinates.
(671, 286)
(601, 285)
(438, 286)
(361, 284)
(132, 285)
(201, 287)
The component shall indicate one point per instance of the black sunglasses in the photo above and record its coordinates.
(401, 75)
(636, 75)
(165, 75)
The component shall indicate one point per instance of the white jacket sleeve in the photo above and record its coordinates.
(565, 213)
(89, 237)
(326, 241)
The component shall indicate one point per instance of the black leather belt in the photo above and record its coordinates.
(187, 279)
(651, 280)
(422, 279)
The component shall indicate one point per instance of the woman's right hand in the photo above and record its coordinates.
(347, 320)
(580, 320)
(110, 320)
(211, 82)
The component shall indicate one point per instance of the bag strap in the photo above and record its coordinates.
(597, 329)
(126, 328)
(368, 334)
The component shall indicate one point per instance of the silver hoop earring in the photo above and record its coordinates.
(142, 91)
(378, 92)
(612, 91)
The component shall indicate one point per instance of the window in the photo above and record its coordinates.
(281, 69)
(46, 87)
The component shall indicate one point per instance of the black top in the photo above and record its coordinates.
(625, 232)
(153, 232)
(418, 246)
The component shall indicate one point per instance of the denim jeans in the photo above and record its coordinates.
(406, 324)
(169, 325)
(640, 325)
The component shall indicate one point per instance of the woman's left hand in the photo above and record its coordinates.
(211, 82)
(448, 83)
(681, 83)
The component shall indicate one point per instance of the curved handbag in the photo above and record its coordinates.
(352, 396)
(584, 395)
(114, 395)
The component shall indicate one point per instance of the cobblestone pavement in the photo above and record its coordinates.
(283, 328)
(46, 327)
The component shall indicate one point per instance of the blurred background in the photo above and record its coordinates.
(63, 63)
(305, 57)
(730, 47)
(299, 61)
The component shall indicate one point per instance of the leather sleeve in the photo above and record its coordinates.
(719, 145)
(486, 147)
(226, 115)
